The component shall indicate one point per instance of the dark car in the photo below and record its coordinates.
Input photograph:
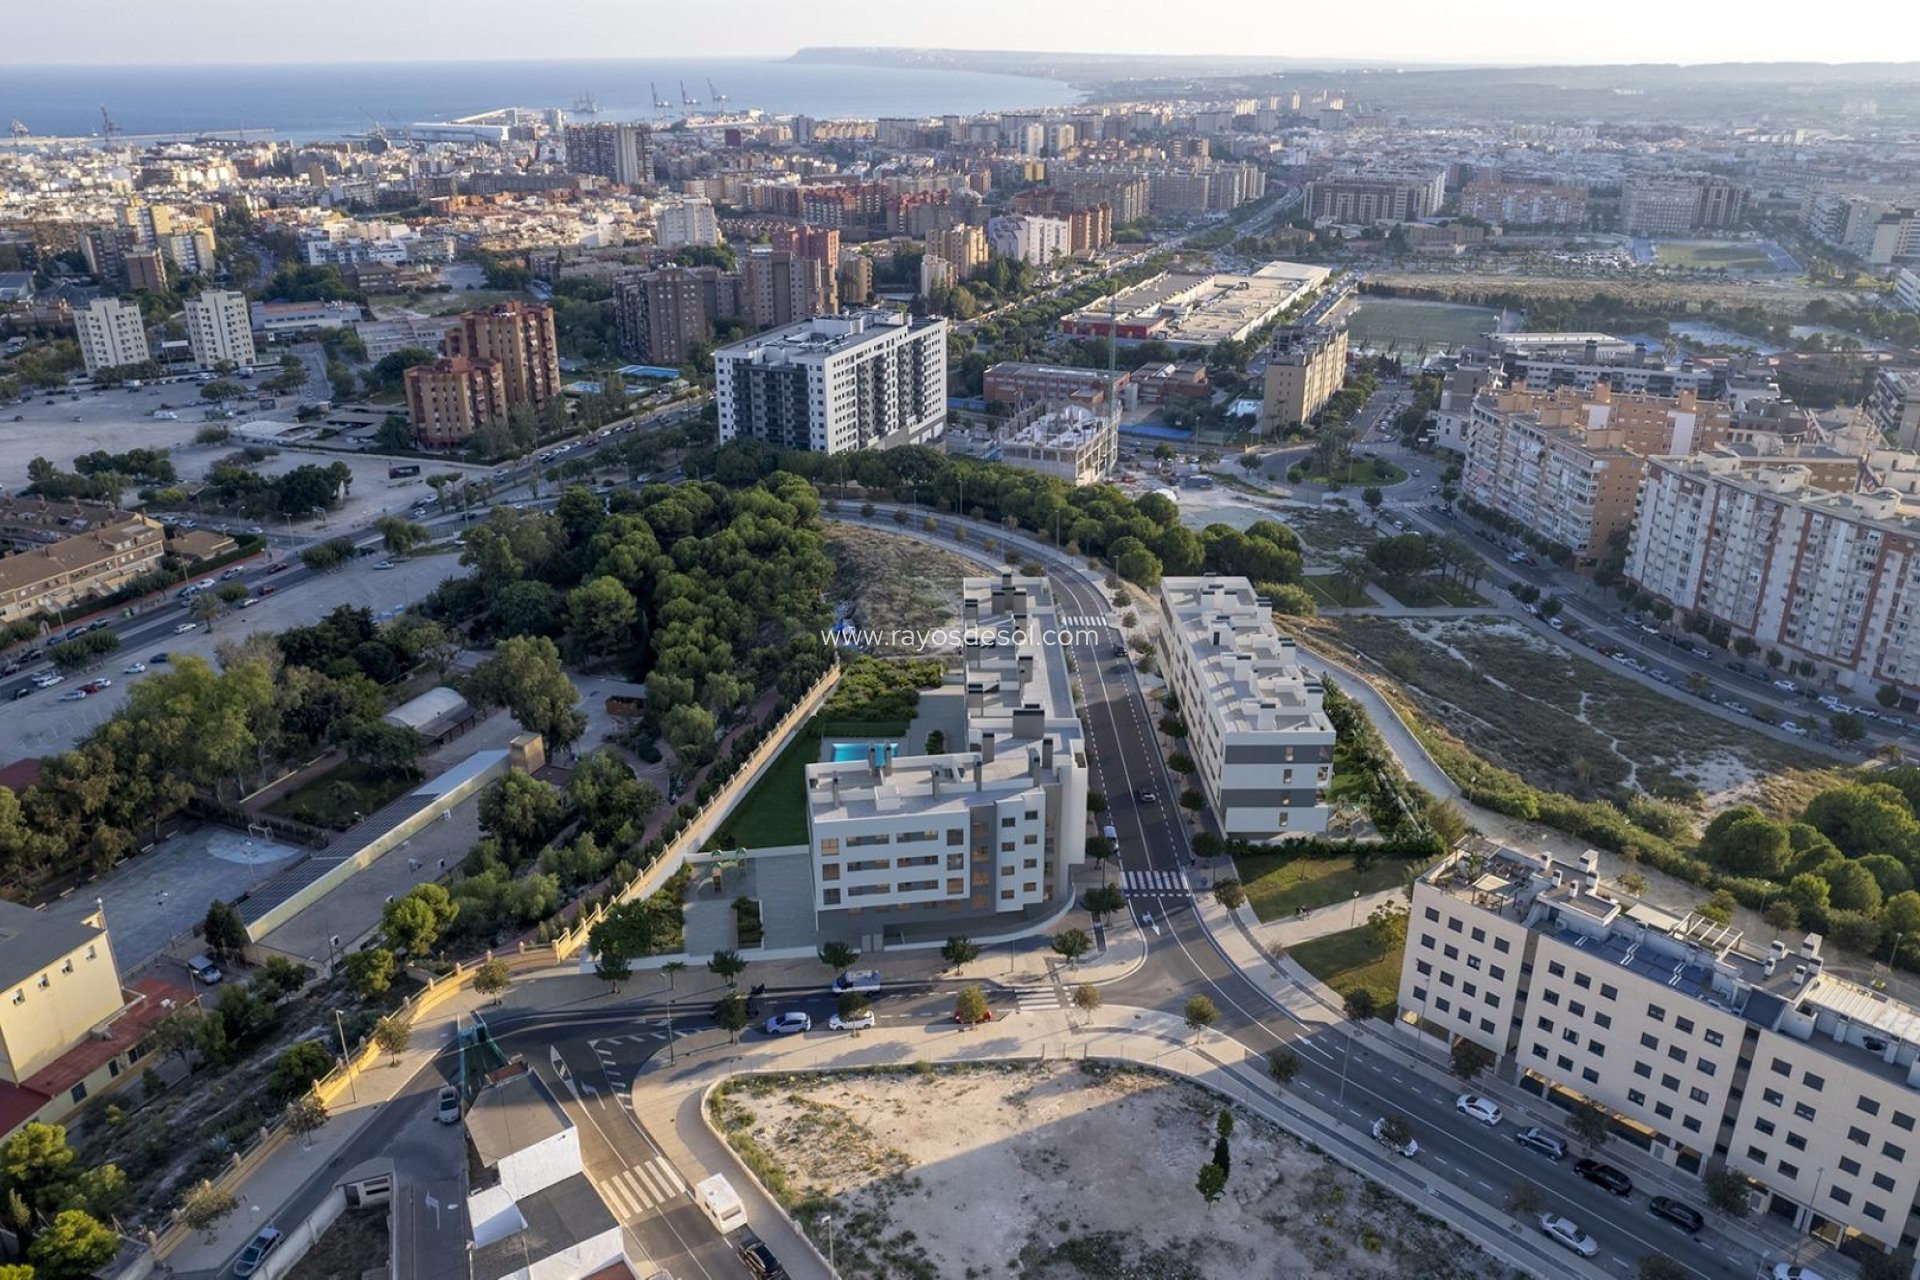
(761, 1263)
(1604, 1176)
(158, 657)
(256, 1251)
(1683, 1216)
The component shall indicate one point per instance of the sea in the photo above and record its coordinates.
(307, 102)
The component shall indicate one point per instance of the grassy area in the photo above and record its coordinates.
(1328, 531)
(889, 729)
(1385, 324)
(1332, 589)
(1711, 256)
(1360, 474)
(1351, 958)
(774, 813)
(1433, 593)
(1277, 885)
(332, 799)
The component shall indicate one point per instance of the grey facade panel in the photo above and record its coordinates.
(1276, 753)
(1254, 798)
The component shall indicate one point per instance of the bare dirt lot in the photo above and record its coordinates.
(894, 584)
(1066, 1173)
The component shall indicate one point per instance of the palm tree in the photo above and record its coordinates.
(1354, 574)
(205, 607)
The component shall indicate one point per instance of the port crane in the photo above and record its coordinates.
(108, 129)
(713, 94)
(18, 128)
(687, 99)
(659, 103)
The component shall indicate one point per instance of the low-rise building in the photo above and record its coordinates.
(991, 828)
(1070, 442)
(284, 319)
(1699, 1046)
(1257, 731)
(1014, 383)
(67, 553)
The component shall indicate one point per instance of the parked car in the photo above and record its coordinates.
(74, 695)
(761, 1264)
(185, 627)
(97, 686)
(1547, 1144)
(48, 680)
(135, 669)
(790, 1023)
(1683, 1216)
(280, 567)
(256, 1252)
(1411, 1147)
(157, 658)
(866, 981)
(1604, 1176)
(859, 1022)
(447, 1110)
(1472, 1104)
(1794, 1271)
(205, 970)
(24, 691)
(1568, 1233)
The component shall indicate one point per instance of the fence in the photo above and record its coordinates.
(705, 822)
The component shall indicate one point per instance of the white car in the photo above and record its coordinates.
(860, 1022)
(137, 668)
(185, 627)
(787, 1024)
(1568, 1233)
(1794, 1271)
(384, 564)
(1409, 1148)
(47, 682)
(1472, 1104)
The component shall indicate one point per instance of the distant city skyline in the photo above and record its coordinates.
(1499, 32)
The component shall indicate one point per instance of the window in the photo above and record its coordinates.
(1655, 1012)
(1683, 1025)
(1540, 1051)
(1804, 1111)
(1873, 1211)
(1772, 1097)
(1796, 1141)
(1642, 1070)
(1468, 989)
(66, 966)
(1502, 946)
(1577, 1009)
(1590, 1075)
(1849, 1166)
(1857, 1136)
(1662, 1110)
(1440, 1003)
(1780, 1067)
(1676, 1054)
(1545, 1024)
(1882, 1182)
(1868, 1105)
(1450, 951)
(20, 996)
(1715, 1039)
(1595, 1048)
(1557, 969)
(1839, 1195)
(1763, 1126)
(1551, 997)
(1496, 972)
(1426, 941)
(1901, 1120)
(1892, 1152)
(1570, 1035)
(1582, 981)
(1446, 979)
(1705, 1068)
(45, 982)
(1691, 1124)
(1453, 925)
(1422, 968)
(1486, 1025)
(1649, 1041)
(1420, 994)
(1636, 1097)
(1608, 991)
(1698, 1095)
(1478, 934)
(1564, 1062)
(1670, 1083)
(1812, 1081)
(1756, 1155)
(1473, 962)
(1791, 1170)
(1431, 914)
(79, 1092)
(1602, 1021)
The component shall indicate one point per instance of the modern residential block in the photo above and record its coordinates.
(861, 380)
(111, 334)
(1306, 367)
(219, 329)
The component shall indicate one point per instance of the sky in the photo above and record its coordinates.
(1393, 31)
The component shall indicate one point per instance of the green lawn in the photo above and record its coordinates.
(1277, 884)
(1431, 592)
(1363, 472)
(1396, 324)
(1330, 589)
(774, 813)
(1350, 959)
(332, 799)
(1710, 256)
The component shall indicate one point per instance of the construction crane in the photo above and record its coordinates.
(18, 128)
(713, 94)
(108, 129)
(659, 103)
(687, 99)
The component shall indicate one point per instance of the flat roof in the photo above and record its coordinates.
(556, 1218)
(511, 1115)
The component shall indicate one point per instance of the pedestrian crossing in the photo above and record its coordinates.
(633, 1192)
(1147, 883)
(1035, 997)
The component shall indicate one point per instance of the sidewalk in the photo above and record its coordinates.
(669, 1099)
(1320, 921)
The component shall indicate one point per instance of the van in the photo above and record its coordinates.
(205, 970)
(866, 981)
(721, 1203)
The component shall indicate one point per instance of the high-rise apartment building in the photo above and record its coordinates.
(1699, 1045)
(220, 329)
(1259, 737)
(1306, 366)
(1893, 403)
(451, 399)
(819, 245)
(519, 337)
(686, 221)
(861, 380)
(1030, 237)
(1366, 197)
(992, 827)
(1674, 206)
(965, 247)
(777, 288)
(111, 334)
(662, 314)
(1757, 545)
(1524, 204)
(617, 151)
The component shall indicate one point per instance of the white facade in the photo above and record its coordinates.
(861, 380)
(111, 334)
(1030, 237)
(1256, 730)
(219, 327)
(683, 222)
(1069, 442)
(1906, 287)
(995, 825)
(1832, 577)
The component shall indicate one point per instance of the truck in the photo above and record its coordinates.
(721, 1203)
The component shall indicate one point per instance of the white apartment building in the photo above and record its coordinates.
(1075, 444)
(1256, 730)
(344, 242)
(862, 380)
(686, 221)
(991, 827)
(1906, 288)
(1030, 237)
(1829, 576)
(111, 334)
(219, 327)
(1702, 1046)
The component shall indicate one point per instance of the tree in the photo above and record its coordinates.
(1229, 894)
(1212, 1183)
(399, 535)
(1086, 998)
(204, 1205)
(1524, 1199)
(1470, 1059)
(729, 965)
(1071, 944)
(612, 967)
(959, 950)
(1104, 901)
(837, 956)
(970, 1007)
(1192, 801)
(1360, 1004)
(730, 1015)
(1200, 1013)
(853, 1006)
(1101, 850)
(1727, 1191)
(1847, 727)
(490, 976)
(392, 1034)
(1744, 842)
(1387, 926)
(370, 972)
(226, 933)
(298, 1066)
(73, 1247)
(1897, 1265)
(414, 921)
(1590, 1123)
(1283, 1065)
(524, 676)
(305, 1116)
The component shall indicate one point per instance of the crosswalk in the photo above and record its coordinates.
(1034, 997)
(632, 1192)
(1149, 883)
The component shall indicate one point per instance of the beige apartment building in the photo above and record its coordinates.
(68, 552)
(1756, 543)
(1306, 366)
(1567, 463)
(454, 397)
(964, 247)
(1700, 1045)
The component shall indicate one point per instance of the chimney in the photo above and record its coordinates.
(1046, 753)
(1573, 888)
(976, 775)
(1810, 947)
(1033, 765)
(1026, 669)
(1590, 862)
(986, 748)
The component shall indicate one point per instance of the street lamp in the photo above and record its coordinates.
(1353, 916)
(827, 1219)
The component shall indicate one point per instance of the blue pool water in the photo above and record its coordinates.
(844, 751)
